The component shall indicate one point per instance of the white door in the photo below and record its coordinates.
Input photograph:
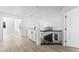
(1, 29)
(72, 25)
(17, 25)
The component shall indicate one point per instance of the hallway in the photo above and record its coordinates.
(17, 23)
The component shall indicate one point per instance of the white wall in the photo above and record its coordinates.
(24, 29)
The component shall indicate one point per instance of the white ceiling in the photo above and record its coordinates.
(16, 10)
(25, 10)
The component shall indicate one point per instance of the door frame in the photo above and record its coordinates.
(1, 39)
(65, 29)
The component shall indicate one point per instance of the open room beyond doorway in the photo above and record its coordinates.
(11, 25)
(11, 28)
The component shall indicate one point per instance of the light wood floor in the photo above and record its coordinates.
(13, 42)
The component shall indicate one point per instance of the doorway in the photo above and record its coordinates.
(10, 29)
(72, 29)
